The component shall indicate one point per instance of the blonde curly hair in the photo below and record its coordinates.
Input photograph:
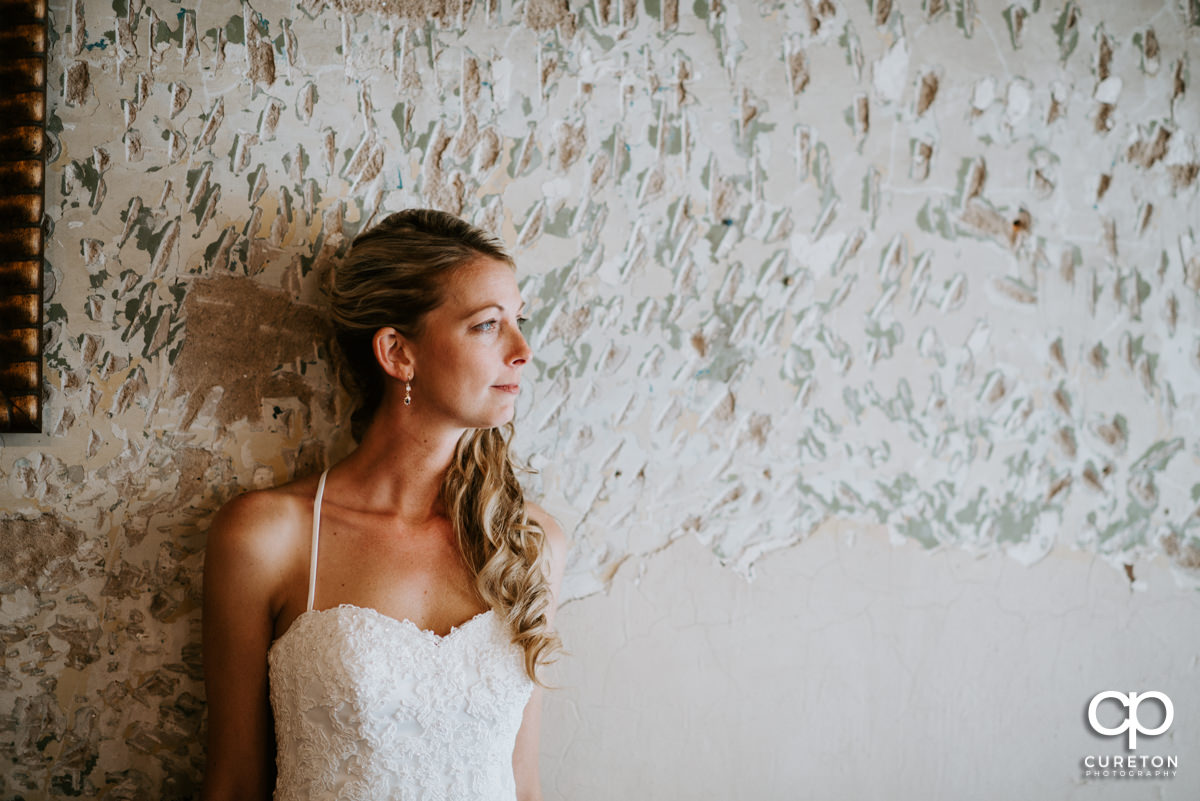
(393, 276)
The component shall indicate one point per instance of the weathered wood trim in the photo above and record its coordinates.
(23, 53)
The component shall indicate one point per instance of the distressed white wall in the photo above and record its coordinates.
(852, 669)
(925, 267)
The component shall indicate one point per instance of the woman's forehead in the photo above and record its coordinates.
(484, 280)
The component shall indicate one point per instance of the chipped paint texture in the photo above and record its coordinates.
(927, 266)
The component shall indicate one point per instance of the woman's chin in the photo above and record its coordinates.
(496, 418)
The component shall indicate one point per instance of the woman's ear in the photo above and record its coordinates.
(394, 353)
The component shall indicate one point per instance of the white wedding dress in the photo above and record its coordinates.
(370, 707)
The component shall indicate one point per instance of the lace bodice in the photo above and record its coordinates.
(370, 707)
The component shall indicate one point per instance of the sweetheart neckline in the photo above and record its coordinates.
(403, 622)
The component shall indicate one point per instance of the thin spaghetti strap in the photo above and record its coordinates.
(312, 559)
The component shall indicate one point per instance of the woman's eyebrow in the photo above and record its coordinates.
(520, 309)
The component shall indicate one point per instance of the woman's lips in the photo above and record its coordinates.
(512, 389)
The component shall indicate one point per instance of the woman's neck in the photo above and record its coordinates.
(400, 463)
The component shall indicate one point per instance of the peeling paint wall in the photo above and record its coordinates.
(929, 266)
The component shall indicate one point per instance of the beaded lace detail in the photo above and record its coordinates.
(371, 707)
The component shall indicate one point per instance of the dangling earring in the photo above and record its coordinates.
(407, 394)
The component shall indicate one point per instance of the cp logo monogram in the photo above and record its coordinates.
(1131, 724)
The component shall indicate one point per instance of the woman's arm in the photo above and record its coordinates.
(525, 755)
(243, 568)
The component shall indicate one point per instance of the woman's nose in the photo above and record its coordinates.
(521, 351)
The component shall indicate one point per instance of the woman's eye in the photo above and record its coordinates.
(485, 327)
(521, 321)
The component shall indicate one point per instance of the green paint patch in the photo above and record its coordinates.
(581, 358)
(970, 513)
(624, 160)
(885, 339)
(674, 144)
(235, 30)
(935, 220)
(88, 175)
(700, 9)
(606, 43)
(1128, 531)
(1156, 458)
(715, 234)
(1139, 41)
(423, 139)
(724, 363)
(1066, 30)
(1137, 351)
(853, 403)
(1076, 256)
(210, 252)
(821, 170)
(961, 20)
(398, 117)
(286, 204)
(137, 312)
(811, 444)
(1141, 287)
(849, 42)
(153, 321)
(1012, 26)
(826, 423)
(756, 127)
(560, 225)
(165, 34)
(252, 179)
(144, 235)
(288, 161)
(1015, 520)
(918, 530)
(964, 171)
(900, 406)
(802, 358)
(901, 488)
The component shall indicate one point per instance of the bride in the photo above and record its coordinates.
(376, 632)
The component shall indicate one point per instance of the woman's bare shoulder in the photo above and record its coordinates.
(556, 540)
(554, 532)
(265, 522)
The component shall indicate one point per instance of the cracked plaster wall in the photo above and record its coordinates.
(926, 266)
(851, 670)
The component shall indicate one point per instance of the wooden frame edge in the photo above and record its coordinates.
(24, 51)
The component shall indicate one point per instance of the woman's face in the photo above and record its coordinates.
(469, 355)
